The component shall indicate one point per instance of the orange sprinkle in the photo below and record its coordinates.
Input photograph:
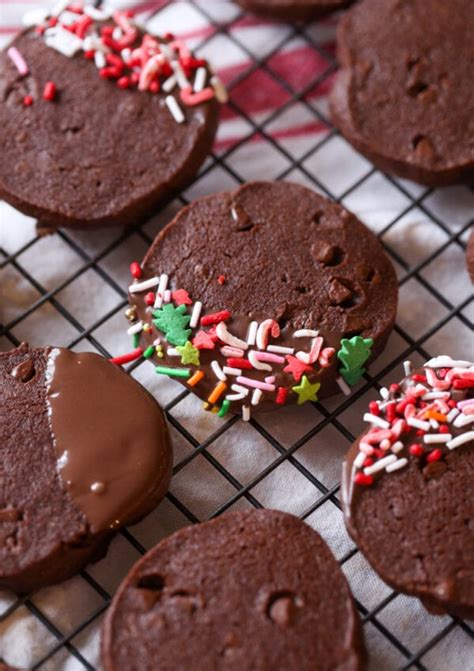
(433, 414)
(197, 377)
(218, 390)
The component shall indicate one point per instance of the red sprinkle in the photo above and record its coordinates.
(135, 270)
(150, 298)
(154, 86)
(418, 378)
(124, 82)
(215, 318)
(282, 394)
(49, 92)
(239, 363)
(420, 432)
(362, 479)
(368, 462)
(126, 358)
(416, 450)
(444, 428)
(394, 388)
(390, 412)
(181, 297)
(374, 408)
(89, 54)
(221, 279)
(435, 455)
(463, 384)
(27, 101)
(452, 403)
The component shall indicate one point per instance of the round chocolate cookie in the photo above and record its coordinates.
(94, 128)
(470, 256)
(403, 96)
(262, 296)
(294, 10)
(249, 590)
(84, 450)
(408, 482)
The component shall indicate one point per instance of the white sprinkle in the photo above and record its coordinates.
(400, 463)
(200, 79)
(454, 412)
(99, 59)
(167, 296)
(117, 33)
(160, 293)
(344, 387)
(228, 370)
(256, 396)
(463, 420)
(240, 389)
(217, 370)
(384, 393)
(34, 17)
(434, 394)
(446, 362)
(378, 421)
(359, 460)
(430, 438)
(397, 447)
(245, 413)
(175, 109)
(418, 423)
(135, 328)
(126, 54)
(169, 84)
(380, 464)
(157, 341)
(62, 40)
(171, 351)
(183, 81)
(224, 335)
(236, 397)
(59, 7)
(385, 444)
(277, 349)
(143, 286)
(259, 365)
(97, 14)
(460, 440)
(196, 313)
(407, 367)
(434, 424)
(219, 89)
(306, 333)
(252, 334)
(270, 379)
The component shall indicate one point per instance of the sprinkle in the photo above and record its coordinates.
(228, 370)
(149, 298)
(221, 279)
(256, 396)
(239, 363)
(136, 339)
(64, 41)
(183, 81)
(196, 313)
(252, 334)
(384, 393)
(99, 59)
(460, 440)
(463, 420)
(397, 447)
(313, 354)
(169, 84)
(380, 464)
(162, 283)
(268, 326)
(172, 351)
(224, 335)
(446, 362)
(466, 402)
(434, 394)
(173, 372)
(416, 450)
(306, 333)
(217, 392)
(219, 89)
(362, 479)
(143, 286)
(378, 421)
(359, 459)
(196, 378)
(18, 61)
(200, 79)
(49, 91)
(396, 465)
(256, 363)
(217, 370)
(407, 367)
(236, 397)
(135, 328)
(246, 413)
(135, 270)
(232, 352)
(174, 108)
(435, 455)
(418, 423)
(437, 438)
(282, 395)
(27, 101)
(215, 318)
(256, 384)
(149, 352)
(279, 350)
(127, 358)
(240, 389)
(224, 409)
(344, 387)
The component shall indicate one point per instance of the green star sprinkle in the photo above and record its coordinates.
(189, 354)
(353, 354)
(306, 391)
(172, 321)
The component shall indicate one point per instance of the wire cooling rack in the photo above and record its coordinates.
(290, 461)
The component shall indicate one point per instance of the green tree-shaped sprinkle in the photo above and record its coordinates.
(172, 321)
(353, 354)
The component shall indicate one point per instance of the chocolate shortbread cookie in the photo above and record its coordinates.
(99, 121)
(408, 483)
(84, 450)
(294, 10)
(249, 590)
(403, 96)
(262, 296)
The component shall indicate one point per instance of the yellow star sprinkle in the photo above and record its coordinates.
(189, 354)
(306, 391)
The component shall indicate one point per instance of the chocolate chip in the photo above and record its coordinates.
(330, 255)
(153, 581)
(25, 371)
(242, 219)
(10, 515)
(283, 608)
(339, 292)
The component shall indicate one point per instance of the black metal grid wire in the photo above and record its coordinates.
(412, 658)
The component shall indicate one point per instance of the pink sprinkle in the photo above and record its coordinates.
(189, 98)
(468, 409)
(377, 435)
(270, 379)
(467, 401)
(233, 352)
(366, 448)
(271, 358)
(325, 355)
(434, 382)
(255, 383)
(18, 61)
(398, 427)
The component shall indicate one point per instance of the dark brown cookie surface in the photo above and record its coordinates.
(403, 97)
(250, 590)
(407, 487)
(84, 450)
(101, 151)
(270, 289)
(294, 10)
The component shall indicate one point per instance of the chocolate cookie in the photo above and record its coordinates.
(249, 590)
(408, 483)
(296, 10)
(99, 120)
(403, 96)
(262, 296)
(470, 256)
(84, 450)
